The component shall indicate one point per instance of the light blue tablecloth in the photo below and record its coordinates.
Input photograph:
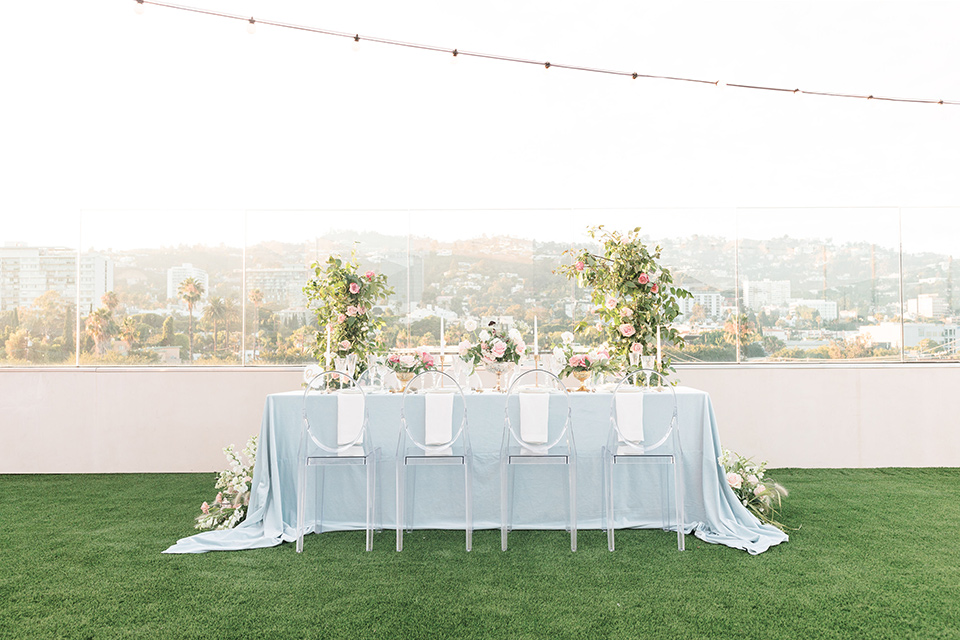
(713, 513)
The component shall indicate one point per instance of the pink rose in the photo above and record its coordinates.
(205, 508)
(218, 499)
(577, 360)
(499, 348)
(464, 346)
(427, 359)
(344, 345)
(579, 265)
(361, 310)
(521, 347)
(341, 318)
(354, 288)
(351, 311)
(636, 347)
(626, 312)
(643, 278)
(626, 330)
(734, 480)
(655, 287)
(611, 303)
(393, 358)
(369, 275)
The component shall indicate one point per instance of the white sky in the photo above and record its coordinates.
(177, 112)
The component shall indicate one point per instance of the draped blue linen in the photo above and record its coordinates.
(712, 511)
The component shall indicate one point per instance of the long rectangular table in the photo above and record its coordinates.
(712, 512)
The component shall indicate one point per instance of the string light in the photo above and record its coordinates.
(356, 42)
(252, 26)
(457, 53)
(138, 9)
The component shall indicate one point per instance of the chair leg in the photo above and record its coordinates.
(318, 495)
(400, 501)
(608, 506)
(468, 492)
(301, 503)
(678, 495)
(371, 474)
(503, 505)
(573, 505)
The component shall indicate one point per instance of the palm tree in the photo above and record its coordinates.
(190, 291)
(232, 312)
(129, 331)
(256, 298)
(215, 313)
(110, 301)
(100, 326)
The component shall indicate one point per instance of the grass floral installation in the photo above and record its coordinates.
(229, 507)
(762, 495)
(344, 299)
(632, 292)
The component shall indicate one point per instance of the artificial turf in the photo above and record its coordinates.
(877, 556)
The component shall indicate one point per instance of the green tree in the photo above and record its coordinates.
(190, 291)
(101, 327)
(166, 332)
(17, 344)
(214, 314)
(129, 332)
(110, 301)
(256, 299)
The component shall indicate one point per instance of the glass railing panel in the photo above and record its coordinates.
(282, 246)
(164, 287)
(819, 284)
(38, 289)
(931, 277)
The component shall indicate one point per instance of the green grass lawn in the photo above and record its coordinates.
(877, 556)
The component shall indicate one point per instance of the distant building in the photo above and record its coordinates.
(26, 273)
(888, 336)
(827, 309)
(710, 301)
(176, 275)
(765, 293)
(282, 286)
(927, 305)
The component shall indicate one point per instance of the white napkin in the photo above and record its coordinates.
(534, 415)
(630, 414)
(349, 416)
(438, 425)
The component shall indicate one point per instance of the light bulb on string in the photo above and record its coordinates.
(455, 56)
(721, 85)
(251, 26)
(356, 43)
(138, 8)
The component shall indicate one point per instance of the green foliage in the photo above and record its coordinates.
(632, 292)
(343, 301)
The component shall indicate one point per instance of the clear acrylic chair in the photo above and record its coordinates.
(334, 434)
(644, 430)
(434, 432)
(537, 431)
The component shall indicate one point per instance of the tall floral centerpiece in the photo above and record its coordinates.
(343, 299)
(495, 350)
(635, 300)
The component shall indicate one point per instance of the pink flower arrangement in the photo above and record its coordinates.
(354, 288)
(643, 278)
(626, 330)
(411, 362)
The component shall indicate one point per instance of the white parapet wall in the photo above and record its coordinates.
(178, 420)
